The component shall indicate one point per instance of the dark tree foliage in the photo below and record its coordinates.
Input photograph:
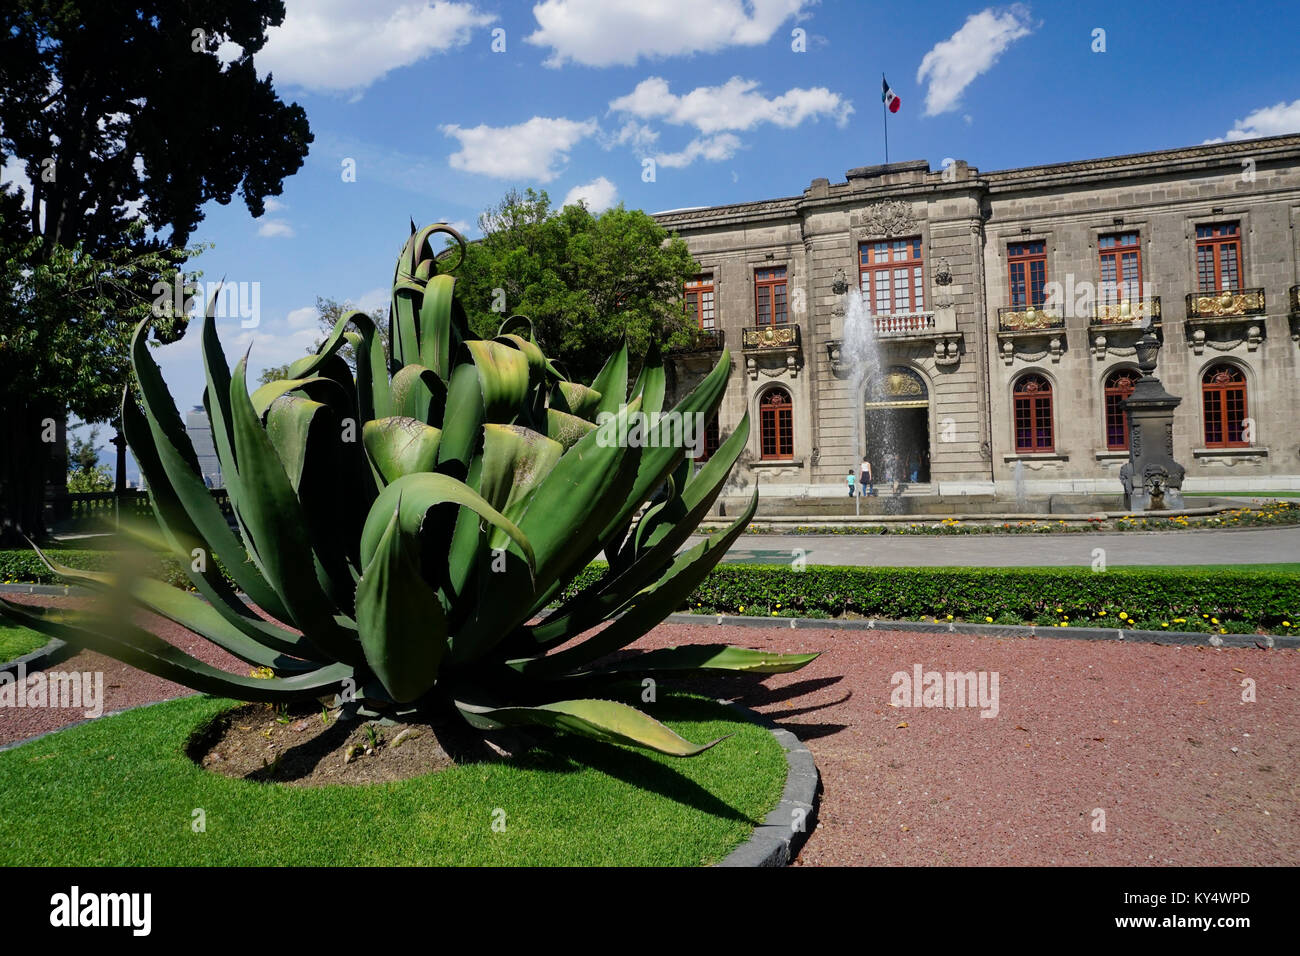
(120, 113)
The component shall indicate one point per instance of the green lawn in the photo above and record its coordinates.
(121, 791)
(16, 641)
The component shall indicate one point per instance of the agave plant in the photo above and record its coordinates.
(412, 531)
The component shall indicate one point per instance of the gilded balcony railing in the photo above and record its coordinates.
(1028, 319)
(1127, 312)
(703, 340)
(1225, 304)
(1293, 298)
(759, 337)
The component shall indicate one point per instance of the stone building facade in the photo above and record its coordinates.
(1005, 307)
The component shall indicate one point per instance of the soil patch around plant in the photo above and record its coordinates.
(305, 747)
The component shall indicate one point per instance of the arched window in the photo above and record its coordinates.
(776, 424)
(712, 439)
(1033, 414)
(1119, 386)
(1223, 405)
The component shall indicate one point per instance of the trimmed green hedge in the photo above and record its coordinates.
(1182, 600)
(1241, 601)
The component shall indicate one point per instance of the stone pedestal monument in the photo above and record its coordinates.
(1152, 480)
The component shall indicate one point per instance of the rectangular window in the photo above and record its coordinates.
(700, 300)
(1218, 257)
(891, 275)
(1121, 268)
(1028, 273)
(769, 296)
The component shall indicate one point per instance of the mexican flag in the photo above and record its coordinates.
(889, 97)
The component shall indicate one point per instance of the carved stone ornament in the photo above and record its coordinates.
(888, 218)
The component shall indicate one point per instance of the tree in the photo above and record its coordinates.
(585, 280)
(120, 113)
(85, 473)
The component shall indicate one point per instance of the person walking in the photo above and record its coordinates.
(850, 484)
(867, 481)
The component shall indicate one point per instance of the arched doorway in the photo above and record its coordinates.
(896, 408)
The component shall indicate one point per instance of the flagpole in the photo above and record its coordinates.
(884, 120)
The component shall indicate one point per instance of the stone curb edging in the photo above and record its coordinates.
(1270, 641)
(778, 839)
(43, 657)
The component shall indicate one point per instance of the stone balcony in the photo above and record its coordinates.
(939, 328)
(1030, 333)
(702, 340)
(1228, 318)
(766, 345)
(1115, 327)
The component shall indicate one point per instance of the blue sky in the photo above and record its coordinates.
(439, 124)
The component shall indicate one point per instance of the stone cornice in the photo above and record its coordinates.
(1157, 162)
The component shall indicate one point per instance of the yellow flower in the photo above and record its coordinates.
(774, 613)
(742, 609)
(989, 620)
(1214, 620)
(1286, 623)
(1123, 615)
(1164, 624)
(1058, 610)
(1101, 613)
(950, 618)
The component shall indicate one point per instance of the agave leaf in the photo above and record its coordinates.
(123, 641)
(605, 720)
(400, 446)
(415, 495)
(461, 431)
(164, 452)
(612, 381)
(417, 392)
(720, 657)
(436, 325)
(647, 608)
(189, 611)
(576, 399)
(515, 461)
(503, 379)
(372, 370)
(402, 625)
(275, 517)
(566, 429)
(651, 383)
(314, 387)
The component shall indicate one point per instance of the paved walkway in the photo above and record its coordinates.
(1249, 546)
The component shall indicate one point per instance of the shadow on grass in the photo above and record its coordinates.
(566, 754)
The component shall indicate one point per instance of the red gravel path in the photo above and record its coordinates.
(1143, 732)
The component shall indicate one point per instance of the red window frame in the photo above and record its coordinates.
(891, 275)
(771, 304)
(1121, 267)
(700, 300)
(1119, 386)
(1032, 414)
(1027, 273)
(776, 425)
(712, 439)
(1223, 406)
(1219, 263)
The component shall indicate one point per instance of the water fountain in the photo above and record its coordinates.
(860, 351)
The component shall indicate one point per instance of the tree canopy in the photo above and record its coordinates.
(585, 280)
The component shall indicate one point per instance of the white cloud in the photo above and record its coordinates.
(274, 205)
(341, 45)
(599, 195)
(713, 148)
(303, 318)
(736, 105)
(607, 32)
(637, 135)
(14, 174)
(275, 229)
(1276, 120)
(955, 62)
(530, 150)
